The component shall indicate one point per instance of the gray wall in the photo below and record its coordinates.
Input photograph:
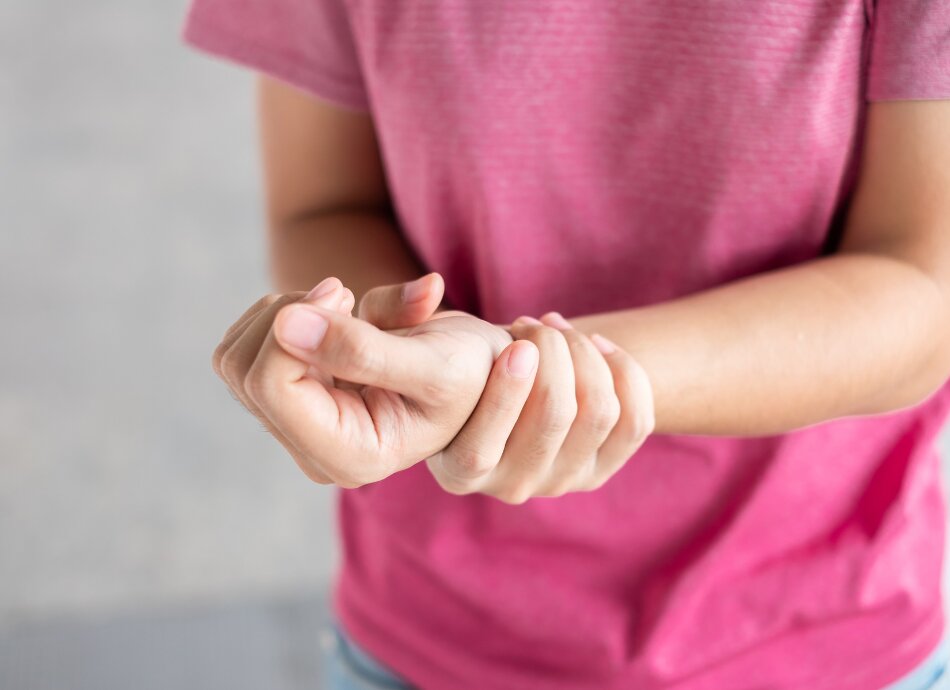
(141, 508)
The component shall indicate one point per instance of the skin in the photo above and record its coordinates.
(352, 408)
(864, 331)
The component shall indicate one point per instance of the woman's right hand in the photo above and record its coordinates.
(353, 403)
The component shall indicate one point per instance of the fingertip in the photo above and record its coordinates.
(522, 326)
(522, 359)
(324, 288)
(526, 320)
(417, 290)
(556, 320)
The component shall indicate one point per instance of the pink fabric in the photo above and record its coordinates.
(591, 155)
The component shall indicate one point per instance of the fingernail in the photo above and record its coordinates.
(522, 360)
(416, 290)
(303, 328)
(323, 288)
(555, 319)
(529, 319)
(601, 343)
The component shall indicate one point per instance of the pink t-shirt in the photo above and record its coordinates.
(593, 155)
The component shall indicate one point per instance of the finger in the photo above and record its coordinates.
(321, 291)
(238, 327)
(544, 421)
(324, 291)
(333, 429)
(598, 410)
(404, 304)
(240, 354)
(253, 310)
(462, 466)
(637, 420)
(357, 351)
(238, 359)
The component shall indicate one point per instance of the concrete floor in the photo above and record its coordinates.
(148, 526)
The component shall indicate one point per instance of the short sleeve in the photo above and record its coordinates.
(909, 50)
(306, 43)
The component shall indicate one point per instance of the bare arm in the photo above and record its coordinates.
(328, 206)
(864, 331)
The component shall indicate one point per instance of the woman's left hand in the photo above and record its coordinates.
(589, 410)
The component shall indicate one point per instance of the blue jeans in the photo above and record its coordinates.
(348, 667)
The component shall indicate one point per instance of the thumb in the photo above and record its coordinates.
(402, 305)
(351, 349)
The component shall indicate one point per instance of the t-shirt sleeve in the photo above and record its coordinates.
(306, 43)
(910, 50)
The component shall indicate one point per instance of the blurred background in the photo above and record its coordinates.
(150, 529)
(152, 534)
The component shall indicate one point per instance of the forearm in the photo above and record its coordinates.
(841, 335)
(361, 248)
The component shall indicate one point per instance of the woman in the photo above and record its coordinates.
(710, 463)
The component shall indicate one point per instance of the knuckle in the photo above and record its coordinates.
(452, 484)
(628, 430)
(637, 427)
(467, 464)
(513, 496)
(449, 483)
(579, 343)
(546, 336)
(556, 414)
(601, 410)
